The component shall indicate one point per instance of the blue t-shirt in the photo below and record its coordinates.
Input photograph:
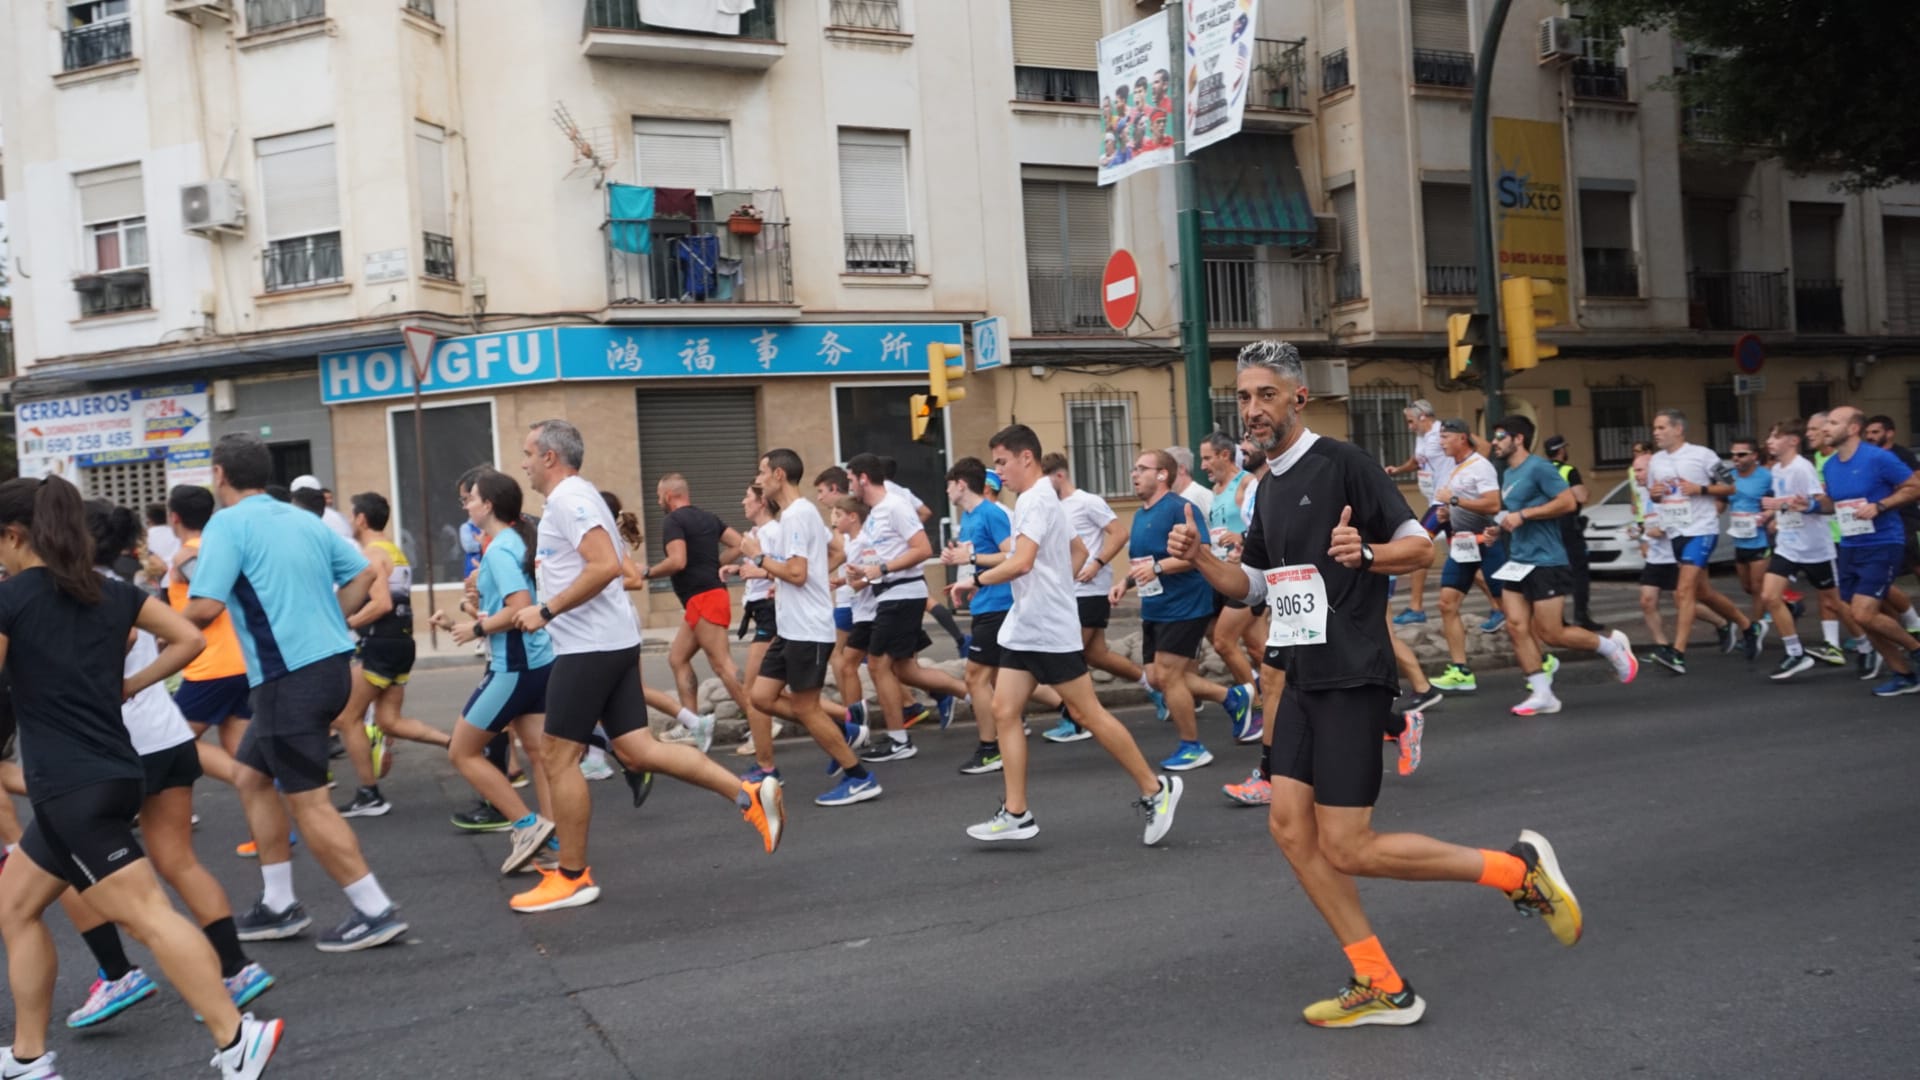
(503, 573)
(1871, 474)
(275, 567)
(986, 527)
(1747, 493)
(1534, 482)
(1183, 596)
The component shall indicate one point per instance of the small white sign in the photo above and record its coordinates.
(1749, 385)
(989, 343)
(378, 266)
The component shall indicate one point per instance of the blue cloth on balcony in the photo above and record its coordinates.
(698, 258)
(1250, 193)
(629, 211)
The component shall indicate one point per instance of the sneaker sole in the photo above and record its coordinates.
(1910, 688)
(1783, 676)
(1187, 766)
(970, 770)
(579, 898)
(382, 810)
(277, 933)
(776, 813)
(1520, 710)
(371, 941)
(541, 831)
(1078, 736)
(860, 796)
(1544, 851)
(114, 1010)
(1385, 1017)
(252, 993)
(1024, 832)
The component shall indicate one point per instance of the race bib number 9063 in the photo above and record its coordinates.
(1297, 605)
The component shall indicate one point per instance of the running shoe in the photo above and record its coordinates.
(1159, 701)
(40, 1068)
(856, 713)
(1410, 617)
(757, 774)
(1763, 627)
(367, 802)
(1625, 664)
(1255, 727)
(481, 817)
(1255, 790)
(746, 747)
(519, 779)
(1549, 664)
(1496, 622)
(1828, 653)
(1666, 657)
(640, 783)
(1791, 666)
(944, 706)
(850, 791)
(1359, 1003)
(983, 761)
(1005, 826)
(1750, 640)
(377, 747)
(1159, 808)
(247, 1058)
(701, 732)
(1898, 685)
(362, 931)
(248, 983)
(1239, 706)
(1544, 892)
(1409, 741)
(1415, 701)
(1457, 679)
(106, 1000)
(1066, 731)
(1729, 637)
(889, 749)
(557, 891)
(251, 850)
(857, 736)
(916, 711)
(527, 840)
(1538, 703)
(595, 766)
(767, 811)
(1189, 755)
(1869, 664)
(262, 923)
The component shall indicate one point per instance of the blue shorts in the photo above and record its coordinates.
(1869, 571)
(1458, 576)
(215, 701)
(505, 696)
(843, 619)
(1431, 521)
(1694, 550)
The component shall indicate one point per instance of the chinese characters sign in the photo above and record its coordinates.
(1136, 99)
(60, 435)
(1530, 195)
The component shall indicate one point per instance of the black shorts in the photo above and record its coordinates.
(800, 666)
(1662, 576)
(215, 701)
(584, 689)
(1181, 638)
(984, 639)
(1819, 575)
(176, 766)
(1547, 582)
(1095, 612)
(861, 636)
(1331, 739)
(896, 629)
(759, 616)
(1047, 668)
(292, 716)
(386, 660)
(1750, 555)
(83, 835)
(1276, 658)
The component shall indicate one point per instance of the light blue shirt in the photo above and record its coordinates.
(275, 567)
(503, 573)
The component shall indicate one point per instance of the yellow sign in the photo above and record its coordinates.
(1531, 198)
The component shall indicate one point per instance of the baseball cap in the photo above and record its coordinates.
(302, 483)
(1456, 425)
(993, 480)
(1555, 442)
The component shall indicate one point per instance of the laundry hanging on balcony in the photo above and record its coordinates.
(1251, 193)
(629, 217)
(699, 16)
(698, 260)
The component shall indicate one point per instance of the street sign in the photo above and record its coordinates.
(1749, 355)
(420, 342)
(1749, 385)
(989, 343)
(1120, 289)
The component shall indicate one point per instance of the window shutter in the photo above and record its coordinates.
(1902, 238)
(1606, 220)
(1040, 208)
(1446, 212)
(429, 145)
(1440, 24)
(1333, 26)
(110, 194)
(707, 436)
(1088, 229)
(301, 184)
(873, 183)
(1057, 34)
(1346, 208)
(1813, 227)
(683, 155)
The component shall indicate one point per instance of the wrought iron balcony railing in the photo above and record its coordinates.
(1248, 293)
(114, 291)
(96, 43)
(1057, 85)
(1066, 302)
(677, 261)
(1440, 67)
(303, 261)
(756, 25)
(438, 252)
(274, 14)
(879, 253)
(1599, 79)
(1334, 74)
(1452, 279)
(1738, 299)
(867, 14)
(1610, 272)
(1279, 74)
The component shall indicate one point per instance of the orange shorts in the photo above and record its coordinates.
(714, 605)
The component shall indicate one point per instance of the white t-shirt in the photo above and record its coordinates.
(1696, 465)
(890, 529)
(153, 722)
(1201, 498)
(337, 523)
(1045, 617)
(804, 612)
(861, 550)
(905, 493)
(1812, 541)
(162, 542)
(1468, 479)
(1087, 515)
(605, 623)
(769, 537)
(1431, 461)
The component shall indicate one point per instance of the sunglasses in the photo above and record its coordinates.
(1501, 435)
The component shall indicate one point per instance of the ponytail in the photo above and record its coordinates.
(114, 530)
(502, 494)
(56, 522)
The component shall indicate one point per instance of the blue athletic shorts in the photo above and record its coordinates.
(843, 619)
(1694, 550)
(1869, 571)
(215, 701)
(505, 696)
(1459, 576)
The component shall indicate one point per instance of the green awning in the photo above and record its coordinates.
(1251, 193)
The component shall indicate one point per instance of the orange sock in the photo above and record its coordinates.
(1370, 962)
(1502, 871)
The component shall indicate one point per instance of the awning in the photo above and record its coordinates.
(1250, 193)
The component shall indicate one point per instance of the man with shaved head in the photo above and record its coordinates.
(691, 540)
(1866, 486)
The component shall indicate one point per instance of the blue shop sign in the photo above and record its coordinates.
(680, 352)
(462, 364)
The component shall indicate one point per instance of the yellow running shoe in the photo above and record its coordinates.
(555, 892)
(1358, 1003)
(1544, 892)
(377, 744)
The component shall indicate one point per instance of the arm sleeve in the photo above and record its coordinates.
(346, 559)
(219, 563)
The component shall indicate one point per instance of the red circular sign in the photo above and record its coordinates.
(1120, 289)
(1749, 354)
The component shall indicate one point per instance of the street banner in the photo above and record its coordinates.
(60, 436)
(1530, 196)
(1136, 99)
(1219, 68)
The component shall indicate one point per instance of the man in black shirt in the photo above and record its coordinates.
(1573, 532)
(691, 538)
(1328, 528)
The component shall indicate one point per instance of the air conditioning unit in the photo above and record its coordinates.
(1327, 378)
(1559, 40)
(212, 206)
(191, 10)
(1326, 237)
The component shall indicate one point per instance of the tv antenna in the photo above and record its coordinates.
(592, 147)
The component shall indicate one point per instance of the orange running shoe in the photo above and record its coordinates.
(555, 891)
(768, 810)
(248, 850)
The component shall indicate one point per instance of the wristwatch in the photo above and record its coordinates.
(760, 561)
(1366, 556)
(479, 630)
(546, 613)
(1156, 568)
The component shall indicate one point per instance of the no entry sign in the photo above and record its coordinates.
(1120, 289)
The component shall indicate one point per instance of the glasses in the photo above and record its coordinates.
(1742, 453)
(1501, 435)
(1145, 468)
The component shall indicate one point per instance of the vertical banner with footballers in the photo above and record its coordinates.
(1219, 37)
(1136, 99)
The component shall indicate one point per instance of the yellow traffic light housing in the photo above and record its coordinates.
(946, 366)
(1524, 319)
(922, 413)
(1466, 344)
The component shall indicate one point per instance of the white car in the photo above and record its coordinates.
(1610, 550)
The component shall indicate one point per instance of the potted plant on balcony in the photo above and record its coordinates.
(745, 221)
(1277, 74)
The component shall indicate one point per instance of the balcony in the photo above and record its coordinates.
(113, 291)
(302, 262)
(879, 253)
(614, 31)
(867, 15)
(1279, 84)
(1818, 307)
(677, 261)
(1452, 279)
(95, 44)
(1058, 85)
(1599, 79)
(1066, 302)
(264, 15)
(1441, 67)
(438, 251)
(1333, 72)
(1610, 272)
(1264, 294)
(1737, 299)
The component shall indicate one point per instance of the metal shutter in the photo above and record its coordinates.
(110, 194)
(682, 155)
(1045, 228)
(712, 438)
(1813, 226)
(1606, 220)
(873, 183)
(1446, 211)
(1333, 26)
(1089, 236)
(300, 184)
(1056, 34)
(429, 148)
(1441, 24)
(1346, 208)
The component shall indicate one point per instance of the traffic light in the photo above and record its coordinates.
(1466, 344)
(1523, 319)
(922, 413)
(946, 366)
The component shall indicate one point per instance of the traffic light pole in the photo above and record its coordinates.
(1193, 282)
(1488, 270)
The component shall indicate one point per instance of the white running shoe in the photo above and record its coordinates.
(1625, 664)
(1539, 702)
(42, 1068)
(527, 842)
(1005, 826)
(702, 731)
(247, 1058)
(1159, 808)
(594, 766)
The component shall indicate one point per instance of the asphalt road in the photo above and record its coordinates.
(1743, 850)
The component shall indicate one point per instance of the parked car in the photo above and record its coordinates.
(1611, 551)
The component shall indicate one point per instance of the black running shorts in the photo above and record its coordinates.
(1181, 638)
(897, 633)
(584, 689)
(1547, 582)
(1820, 575)
(1047, 668)
(1095, 612)
(1662, 576)
(861, 636)
(292, 716)
(1331, 739)
(800, 666)
(83, 835)
(984, 639)
(387, 660)
(176, 766)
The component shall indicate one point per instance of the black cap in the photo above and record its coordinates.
(1456, 425)
(1555, 443)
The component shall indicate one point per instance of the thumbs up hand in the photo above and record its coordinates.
(1346, 541)
(1184, 542)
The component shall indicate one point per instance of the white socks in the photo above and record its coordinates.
(1609, 648)
(899, 737)
(1910, 619)
(1830, 630)
(688, 717)
(1792, 642)
(277, 882)
(1540, 683)
(367, 896)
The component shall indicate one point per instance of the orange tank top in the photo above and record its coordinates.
(222, 658)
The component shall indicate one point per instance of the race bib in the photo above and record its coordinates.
(1676, 513)
(1152, 586)
(1790, 520)
(1464, 548)
(1426, 483)
(1219, 543)
(1844, 514)
(1297, 606)
(1742, 525)
(1514, 570)
(966, 572)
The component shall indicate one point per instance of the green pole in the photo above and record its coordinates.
(1488, 269)
(1193, 274)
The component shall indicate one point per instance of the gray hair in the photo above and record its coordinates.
(1221, 443)
(1422, 407)
(561, 439)
(1674, 416)
(1182, 457)
(1279, 357)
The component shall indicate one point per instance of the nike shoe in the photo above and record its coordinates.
(1666, 657)
(1359, 1004)
(857, 736)
(378, 749)
(1544, 892)
(767, 812)
(1898, 685)
(1870, 664)
(1239, 706)
(1457, 679)
(248, 983)
(1729, 638)
(1159, 704)
(555, 892)
(889, 749)
(481, 817)
(944, 706)
(1005, 826)
(262, 923)
(527, 839)
(40, 1068)
(1828, 653)
(1159, 808)
(106, 1000)
(1625, 664)
(1409, 617)
(1066, 731)
(1189, 755)
(1750, 639)
(982, 762)
(1409, 741)
(1791, 666)
(247, 1058)
(1496, 622)
(362, 931)
(849, 791)
(1415, 701)
(367, 802)
(1255, 790)
(1538, 703)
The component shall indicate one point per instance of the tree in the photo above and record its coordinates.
(1828, 85)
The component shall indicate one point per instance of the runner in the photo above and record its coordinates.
(1330, 525)
(289, 581)
(1687, 481)
(1864, 483)
(1802, 549)
(692, 539)
(758, 617)
(830, 487)
(1425, 462)
(213, 689)
(1752, 483)
(1859, 646)
(1468, 489)
(1881, 432)
(331, 517)
(940, 612)
(1659, 571)
(1238, 630)
(1038, 646)
(65, 630)
(1573, 533)
(595, 675)
(1536, 578)
(1185, 485)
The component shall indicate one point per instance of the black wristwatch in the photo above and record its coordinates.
(479, 629)
(1156, 568)
(546, 613)
(760, 561)
(1366, 556)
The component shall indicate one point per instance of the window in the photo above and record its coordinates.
(459, 435)
(1446, 215)
(1441, 50)
(708, 436)
(1600, 71)
(114, 223)
(873, 202)
(1723, 417)
(1226, 412)
(1817, 304)
(1334, 73)
(436, 221)
(1377, 421)
(1913, 413)
(1067, 233)
(300, 188)
(867, 14)
(1608, 264)
(1902, 238)
(1100, 442)
(682, 154)
(1055, 50)
(1619, 421)
(273, 14)
(1814, 397)
(98, 32)
(1346, 266)
(291, 460)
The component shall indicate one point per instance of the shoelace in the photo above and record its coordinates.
(1354, 995)
(1144, 804)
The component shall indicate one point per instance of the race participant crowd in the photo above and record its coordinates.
(285, 628)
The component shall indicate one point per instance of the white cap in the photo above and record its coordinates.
(303, 483)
